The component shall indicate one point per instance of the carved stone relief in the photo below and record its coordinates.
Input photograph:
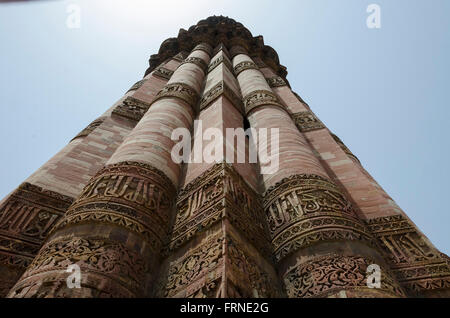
(417, 265)
(131, 108)
(307, 121)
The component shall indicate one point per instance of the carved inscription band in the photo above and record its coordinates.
(218, 90)
(245, 65)
(305, 209)
(132, 108)
(218, 193)
(417, 265)
(163, 72)
(132, 195)
(181, 91)
(260, 98)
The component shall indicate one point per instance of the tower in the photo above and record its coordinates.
(139, 224)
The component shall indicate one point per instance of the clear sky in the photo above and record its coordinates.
(384, 91)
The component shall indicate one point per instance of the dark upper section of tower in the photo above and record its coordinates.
(214, 31)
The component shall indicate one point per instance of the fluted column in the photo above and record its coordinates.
(29, 213)
(116, 228)
(321, 247)
(219, 244)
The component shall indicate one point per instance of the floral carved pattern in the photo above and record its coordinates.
(200, 262)
(322, 276)
(94, 256)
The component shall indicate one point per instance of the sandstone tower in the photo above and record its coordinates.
(138, 224)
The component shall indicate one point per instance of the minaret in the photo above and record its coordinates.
(139, 224)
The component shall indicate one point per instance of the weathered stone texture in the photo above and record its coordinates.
(139, 224)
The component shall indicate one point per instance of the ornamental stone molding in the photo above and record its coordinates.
(418, 265)
(276, 81)
(26, 218)
(307, 121)
(217, 61)
(199, 272)
(260, 98)
(221, 89)
(132, 195)
(131, 108)
(220, 193)
(181, 91)
(197, 61)
(163, 73)
(245, 65)
(305, 209)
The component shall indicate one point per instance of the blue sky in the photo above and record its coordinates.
(382, 91)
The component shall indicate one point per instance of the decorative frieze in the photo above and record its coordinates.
(305, 209)
(323, 276)
(197, 61)
(344, 148)
(137, 85)
(276, 81)
(131, 195)
(163, 72)
(307, 121)
(245, 65)
(96, 257)
(219, 193)
(26, 218)
(418, 266)
(216, 62)
(218, 90)
(131, 108)
(260, 98)
(201, 264)
(181, 56)
(244, 272)
(90, 128)
(199, 272)
(181, 91)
